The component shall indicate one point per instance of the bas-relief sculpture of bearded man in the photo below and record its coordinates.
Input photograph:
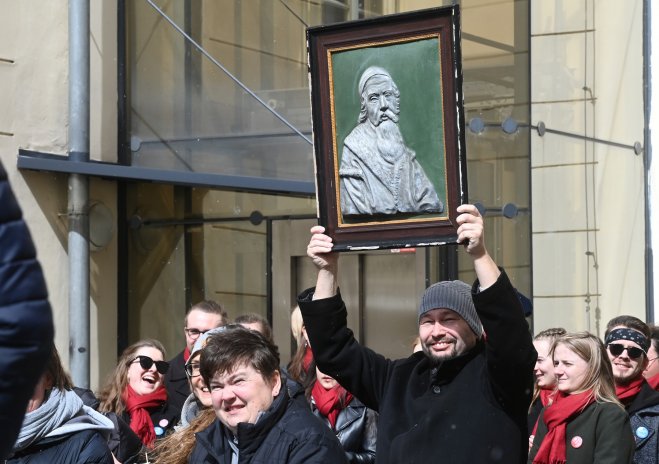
(378, 173)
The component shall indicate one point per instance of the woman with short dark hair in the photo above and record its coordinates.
(257, 420)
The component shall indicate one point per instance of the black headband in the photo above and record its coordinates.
(631, 335)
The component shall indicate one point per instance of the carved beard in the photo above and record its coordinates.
(389, 140)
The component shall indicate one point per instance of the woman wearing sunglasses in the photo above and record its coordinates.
(585, 423)
(136, 392)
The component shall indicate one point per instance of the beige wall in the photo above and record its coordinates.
(587, 197)
(34, 66)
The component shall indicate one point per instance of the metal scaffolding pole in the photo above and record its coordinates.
(78, 204)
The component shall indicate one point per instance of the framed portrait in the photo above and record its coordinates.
(388, 129)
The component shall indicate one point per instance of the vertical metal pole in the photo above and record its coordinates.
(651, 103)
(78, 205)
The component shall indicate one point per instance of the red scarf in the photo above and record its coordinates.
(553, 448)
(328, 402)
(547, 396)
(186, 354)
(137, 406)
(627, 393)
(654, 381)
(308, 359)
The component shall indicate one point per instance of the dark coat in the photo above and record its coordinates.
(164, 419)
(26, 320)
(471, 409)
(605, 434)
(176, 383)
(644, 420)
(85, 447)
(356, 428)
(534, 414)
(124, 444)
(287, 433)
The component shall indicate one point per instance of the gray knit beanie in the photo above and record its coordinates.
(456, 296)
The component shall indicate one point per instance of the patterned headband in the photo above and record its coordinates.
(631, 335)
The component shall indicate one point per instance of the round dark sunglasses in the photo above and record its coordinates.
(146, 363)
(616, 349)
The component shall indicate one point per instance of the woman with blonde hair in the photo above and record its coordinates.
(177, 447)
(585, 423)
(136, 392)
(300, 369)
(545, 380)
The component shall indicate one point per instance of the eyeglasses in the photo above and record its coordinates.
(146, 362)
(192, 369)
(194, 333)
(616, 349)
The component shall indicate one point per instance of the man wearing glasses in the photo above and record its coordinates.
(627, 340)
(199, 319)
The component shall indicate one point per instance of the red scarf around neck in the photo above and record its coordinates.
(186, 354)
(547, 396)
(627, 393)
(654, 381)
(137, 408)
(553, 448)
(329, 402)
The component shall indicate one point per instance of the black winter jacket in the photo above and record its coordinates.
(287, 433)
(356, 428)
(85, 447)
(176, 383)
(164, 419)
(124, 444)
(26, 320)
(472, 409)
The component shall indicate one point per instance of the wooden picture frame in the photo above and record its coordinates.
(388, 129)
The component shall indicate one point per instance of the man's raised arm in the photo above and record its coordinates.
(320, 251)
(471, 235)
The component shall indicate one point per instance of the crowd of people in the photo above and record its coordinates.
(477, 388)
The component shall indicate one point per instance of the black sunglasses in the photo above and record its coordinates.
(616, 349)
(146, 363)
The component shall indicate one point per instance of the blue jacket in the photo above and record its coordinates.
(26, 322)
(644, 419)
(85, 447)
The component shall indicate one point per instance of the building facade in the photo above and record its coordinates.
(198, 190)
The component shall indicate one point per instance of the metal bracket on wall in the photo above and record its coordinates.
(637, 147)
(511, 126)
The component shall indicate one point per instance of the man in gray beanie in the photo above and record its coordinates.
(442, 302)
(464, 398)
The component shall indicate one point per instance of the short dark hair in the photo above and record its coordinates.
(209, 306)
(630, 322)
(253, 318)
(236, 346)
